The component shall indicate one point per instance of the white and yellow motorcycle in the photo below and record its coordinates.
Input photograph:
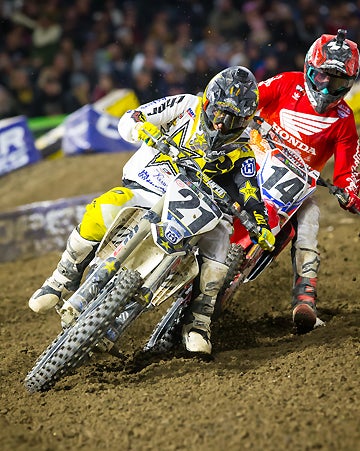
(148, 256)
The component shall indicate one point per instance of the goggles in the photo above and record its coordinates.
(328, 83)
(230, 122)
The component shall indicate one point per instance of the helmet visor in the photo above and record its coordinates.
(329, 83)
(230, 122)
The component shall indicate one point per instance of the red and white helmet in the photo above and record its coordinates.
(331, 67)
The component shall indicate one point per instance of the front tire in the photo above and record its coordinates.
(73, 346)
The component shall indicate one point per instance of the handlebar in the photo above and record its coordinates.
(167, 146)
(341, 195)
(164, 145)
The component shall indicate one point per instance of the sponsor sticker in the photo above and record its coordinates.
(248, 168)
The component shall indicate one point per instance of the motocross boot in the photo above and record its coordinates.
(306, 264)
(67, 275)
(196, 328)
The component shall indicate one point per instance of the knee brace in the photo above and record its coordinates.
(101, 212)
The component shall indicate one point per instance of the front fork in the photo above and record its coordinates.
(107, 269)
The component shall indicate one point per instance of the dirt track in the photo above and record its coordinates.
(265, 389)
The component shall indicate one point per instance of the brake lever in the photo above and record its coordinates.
(164, 145)
(341, 195)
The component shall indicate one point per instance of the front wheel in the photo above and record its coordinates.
(73, 346)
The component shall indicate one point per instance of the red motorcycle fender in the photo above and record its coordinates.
(240, 234)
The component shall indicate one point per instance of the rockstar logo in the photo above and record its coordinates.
(165, 244)
(199, 142)
(165, 163)
(248, 191)
(110, 266)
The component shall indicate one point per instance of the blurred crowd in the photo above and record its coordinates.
(58, 55)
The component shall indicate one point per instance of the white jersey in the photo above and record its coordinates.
(178, 117)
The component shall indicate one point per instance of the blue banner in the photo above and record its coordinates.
(88, 130)
(41, 227)
(17, 146)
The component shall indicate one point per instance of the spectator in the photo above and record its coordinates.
(259, 32)
(17, 45)
(202, 72)
(46, 34)
(174, 82)
(7, 104)
(88, 68)
(227, 20)
(70, 53)
(106, 84)
(307, 28)
(48, 99)
(6, 68)
(143, 85)
(130, 33)
(63, 68)
(181, 46)
(237, 55)
(22, 91)
(149, 57)
(79, 94)
(159, 30)
(113, 61)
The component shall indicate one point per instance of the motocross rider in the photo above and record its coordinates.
(309, 112)
(206, 128)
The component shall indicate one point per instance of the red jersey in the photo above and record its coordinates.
(284, 104)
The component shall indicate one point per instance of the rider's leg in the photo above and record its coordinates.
(80, 248)
(196, 329)
(306, 261)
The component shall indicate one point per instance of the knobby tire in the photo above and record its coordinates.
(72, 346)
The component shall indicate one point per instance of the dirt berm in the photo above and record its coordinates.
(266, 388)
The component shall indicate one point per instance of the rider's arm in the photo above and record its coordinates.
(347, 157)
(158, 112)
(248, 193)
(269, 91)
(249, 197)
(346, 162)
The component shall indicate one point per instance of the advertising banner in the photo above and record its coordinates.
(17, 147)
(353, 99)
(115, 104)
(89, 130)
(38, 228)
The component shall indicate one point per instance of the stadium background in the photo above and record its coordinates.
(56, 56)
(266, 389)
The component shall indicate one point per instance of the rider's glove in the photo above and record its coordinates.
(353, 203)
(266, 239)
(148, 132)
